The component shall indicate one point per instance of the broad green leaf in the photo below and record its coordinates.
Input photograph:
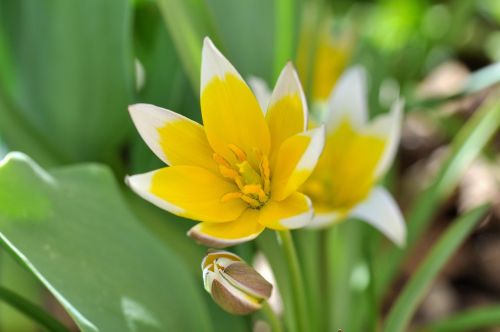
(72, 230)
(471, 320)
(415, 290)
(69, 76)
(466, 146)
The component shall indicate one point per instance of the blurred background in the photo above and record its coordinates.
(68, 70)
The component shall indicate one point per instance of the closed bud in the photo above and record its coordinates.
(233, 284)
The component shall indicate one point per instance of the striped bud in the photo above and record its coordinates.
(233, 284)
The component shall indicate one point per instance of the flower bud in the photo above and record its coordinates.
(233, 284)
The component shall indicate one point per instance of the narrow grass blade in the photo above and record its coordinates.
(466, 321)
(31, 310)
(407, 303)
(466, 146)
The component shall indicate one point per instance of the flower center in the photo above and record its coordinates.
(254, 183)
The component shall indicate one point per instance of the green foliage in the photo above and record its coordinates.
(467, 144)
(72, 230)
(121, 264)
(482, 317)
(68, 77)
(415, 290)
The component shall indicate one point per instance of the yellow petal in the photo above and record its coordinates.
(293, 212)
(287, 113)
(174, 138)
(346, 170)
(220, 235)
(231, 113)
(188, 191)
(295, 161)
(332, 55)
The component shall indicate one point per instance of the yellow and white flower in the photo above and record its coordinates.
(238, 173)
(233, 284)
(357, 153)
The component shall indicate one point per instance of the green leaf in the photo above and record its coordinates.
(470, 320)
(68, 76)
(466, 146)
(72, 230)
(415, 290)
(188, 22)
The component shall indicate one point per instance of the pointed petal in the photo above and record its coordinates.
(348, 99)
(174, 138)
(389, 127)
(295, 211)
(295, 161)
(220, 235)
(287, 113)
(382, 212)
(188, 191)
(231, 113)
(261, 91)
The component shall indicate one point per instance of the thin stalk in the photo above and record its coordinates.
(272, 318)
(325, 278)
(296, 279)
(31, 310)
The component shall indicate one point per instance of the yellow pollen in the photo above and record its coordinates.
(254, 185)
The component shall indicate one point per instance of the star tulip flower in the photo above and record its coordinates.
(240, 172)
(357, 153)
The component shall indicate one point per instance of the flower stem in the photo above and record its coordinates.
(325, 283)
(296, 279)
(272, 318)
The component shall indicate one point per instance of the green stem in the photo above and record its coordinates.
(324, 275)
(272, 318)
(31, 310)
(297, 282)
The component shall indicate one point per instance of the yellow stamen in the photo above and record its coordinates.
(255, 189)
(239, 154)
(251, 201)
(228, 172)
(254, 185)
(265, 171)
(230, 196)
(220, 160)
